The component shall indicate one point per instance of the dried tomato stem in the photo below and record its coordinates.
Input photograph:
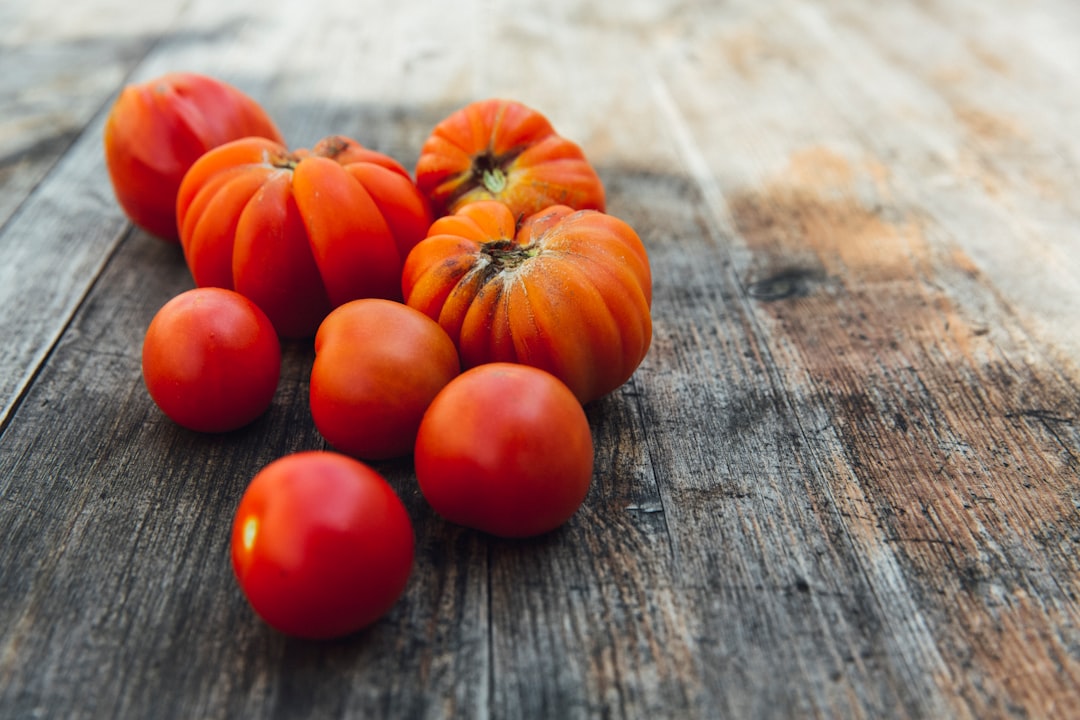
(285, 162)
(506, 254)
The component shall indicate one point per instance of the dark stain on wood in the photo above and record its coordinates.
(844, 482)
(782, 285)
(951, 496)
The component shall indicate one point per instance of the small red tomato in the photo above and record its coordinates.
(321, 545)
(378, 364)
(157, 129)
(211, 360)
(505, 449)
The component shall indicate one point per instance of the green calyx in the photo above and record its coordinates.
(493, 180)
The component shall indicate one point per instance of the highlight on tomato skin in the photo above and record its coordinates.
(157, 129)
(321, 545)
(500, 149)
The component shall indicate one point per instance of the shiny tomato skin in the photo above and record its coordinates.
(299, 232)
(566, 291)
(499, 149)
(211, 360)
(378, 364)
(505, 449)
(157, 129)
(321, 545)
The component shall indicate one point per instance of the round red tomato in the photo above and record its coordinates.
(321, 545)
(378, 364)
(505, 449)
(568, 292)
(299, 232)
(157, 129)
(211, 360)
(504, 150)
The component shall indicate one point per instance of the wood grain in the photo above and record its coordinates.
(48, 95)
(844, 483)
(918, 366)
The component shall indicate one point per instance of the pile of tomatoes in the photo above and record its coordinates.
(462, 314)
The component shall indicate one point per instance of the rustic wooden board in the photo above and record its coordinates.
(844, 483)
(944, 432)
(48, 94)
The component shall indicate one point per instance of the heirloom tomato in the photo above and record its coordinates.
(378, 364)
(566, 291)
(211, 360)
(321, 545)
(503, 150)
(506, 449)
(299, 232)
(157, 129)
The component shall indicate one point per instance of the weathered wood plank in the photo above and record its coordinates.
(60, 64)
(753, 568)
(116, 521)
(920, 389)
(844, 483)
(51, 253)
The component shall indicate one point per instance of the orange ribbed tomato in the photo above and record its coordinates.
(566, 291)
(302, 232)
(157, 129)
(503, 150)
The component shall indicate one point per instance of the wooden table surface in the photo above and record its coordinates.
(844, 483)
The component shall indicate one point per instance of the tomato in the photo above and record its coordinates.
(568, 292)
(302, 232)
(157, 129)
(321, 545)
(378, 364)
(506, 449)
(504, 150)
(211, 360)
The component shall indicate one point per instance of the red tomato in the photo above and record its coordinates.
(321, 545)
(505, 449)
(299, 232)
(378, 364)
(568, 292)
(157, 129)
(211, 360)
(503, 150)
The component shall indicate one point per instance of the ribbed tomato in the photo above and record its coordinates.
(566, 291)
(301, 232)
(504, 150)
(157, 129)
